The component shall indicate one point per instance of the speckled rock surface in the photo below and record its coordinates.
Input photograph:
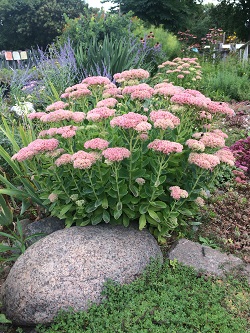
(204, 258)
(68, 268)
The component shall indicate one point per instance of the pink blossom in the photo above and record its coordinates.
(141, 95)
(82, 163)
(226, 156)
(177, 193)
(199, 201)
(212, 140)
(56, 106)
(220, 133)
(143, 126)
(79, 93)
(204, 161)
(23, 154)
(220, 107)
(65, 95)
(35, 147)
(36, 115)
(129, 120)
(140, 181)
(78, 86)
(78, 117)
(96, 143)
(162, 114)
(96, 80)
(56, 116)
(116, 154)
(195, 145)
(53, 197)
(108, 102)
(112, 92)
(180, 76)
(131, 74)
(98, 114)
(165, 146)
(205, 115)
(63, 159)
(143, 136)
(55, 152)
(164, 123)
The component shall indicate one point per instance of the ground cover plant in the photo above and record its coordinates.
(171, 298)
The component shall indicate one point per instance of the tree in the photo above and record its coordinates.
(27, 23)
(233, 16)
(174, 15)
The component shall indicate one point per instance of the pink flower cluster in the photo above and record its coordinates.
(226, 156)
(56, 106)
(63, 159)
(220, 107)
(195, 145)
(60, 115)
(164, 119)
(98, 114)
(96, 80)
(165, 146)
(132, 74)
(116, 154)
(204, 161)
(76, 91)
(108, 103)
(112, 92)
(129, 120)
(83, 160)
(177, 193)
(191, 98)
(210, 139)
(36, 115)
(35, 147)
(167, 89)
(65, 131)
(140, 91)
(96, 143)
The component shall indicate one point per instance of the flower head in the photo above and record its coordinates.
(116, 154)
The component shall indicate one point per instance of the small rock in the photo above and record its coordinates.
(204, 258)
(44, 227)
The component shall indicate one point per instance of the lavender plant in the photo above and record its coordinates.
(118, 154)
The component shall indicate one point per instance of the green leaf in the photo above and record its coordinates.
(142, 221)
(105, 203)
(134, 190)
(125, 220)
(64, 210)
(106, 216)
(158, 204)
(185, 212)
(4, 320)
(119, 206)
(143, 208)
(117, 214)
(98, 203)
(90, 207)
(96, 218)
(154, 215)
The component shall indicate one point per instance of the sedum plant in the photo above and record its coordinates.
(126, 152)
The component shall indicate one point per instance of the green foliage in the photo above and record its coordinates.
(16, 242)
(32, 22)
(89, 26)
(173, 15)
(163, 300)
(110, 57)
(222, 82)
(169, 44)
(134, 187)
